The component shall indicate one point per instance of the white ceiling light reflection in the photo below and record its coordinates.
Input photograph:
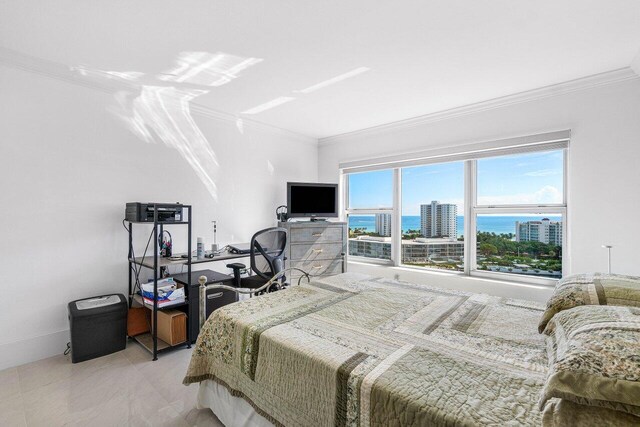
(269, 105)
(284, 99)
(111, 75)
(334, 80)
(240, 125)
(153, 111)
(164, 111)
(207, 69)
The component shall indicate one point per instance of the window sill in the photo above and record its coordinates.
(530, 283)
(370, 261)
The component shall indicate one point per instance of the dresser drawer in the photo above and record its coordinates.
(316, 234)
(315, 251)
(317, 267)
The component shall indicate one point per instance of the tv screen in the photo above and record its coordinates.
(309, 199)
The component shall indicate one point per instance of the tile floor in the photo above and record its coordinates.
(122, 389)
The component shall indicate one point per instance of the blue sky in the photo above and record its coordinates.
(519, 179)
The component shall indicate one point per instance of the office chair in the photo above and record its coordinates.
(267, 259)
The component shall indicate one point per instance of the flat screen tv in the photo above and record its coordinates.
(312, 200)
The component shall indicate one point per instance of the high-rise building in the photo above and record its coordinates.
(438, 219)
(544, 231)
(383, 224)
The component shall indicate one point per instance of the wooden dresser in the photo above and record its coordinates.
(316, 247)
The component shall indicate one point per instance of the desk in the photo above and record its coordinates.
(165, 262)
(193, 310)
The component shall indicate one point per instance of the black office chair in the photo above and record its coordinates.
(267, 259)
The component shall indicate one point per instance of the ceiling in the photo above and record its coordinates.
(322, 68)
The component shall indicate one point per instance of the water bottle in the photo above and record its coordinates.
(200, 248)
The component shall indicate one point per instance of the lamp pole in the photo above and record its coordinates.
(608, 248)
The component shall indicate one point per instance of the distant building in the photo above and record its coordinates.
(370, 247)
(438, 219)
(418, 251)
(544, 231)
(432, 251)
(383, 224)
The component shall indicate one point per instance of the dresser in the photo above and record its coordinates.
(316, 247)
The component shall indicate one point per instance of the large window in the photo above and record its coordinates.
(499, 212)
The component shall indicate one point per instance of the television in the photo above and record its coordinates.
(312, 200)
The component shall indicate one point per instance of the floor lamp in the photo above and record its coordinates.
(608, 248)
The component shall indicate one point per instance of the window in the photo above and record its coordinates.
(371, 190)
(519, 214)
(524, 179)
(370, 214)
(498, 211)
(522, 243)
(433, 216)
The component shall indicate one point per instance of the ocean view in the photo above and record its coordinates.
(495, 224)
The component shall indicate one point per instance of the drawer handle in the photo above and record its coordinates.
(317, 250)
(317, 266)
(214, 296)
(317, 234)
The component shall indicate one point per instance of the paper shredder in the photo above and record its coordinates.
(98, 326)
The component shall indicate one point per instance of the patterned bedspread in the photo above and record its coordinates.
(351, 350)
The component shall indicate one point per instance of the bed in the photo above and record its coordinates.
(353, 350)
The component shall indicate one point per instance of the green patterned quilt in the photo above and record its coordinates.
(351, 350)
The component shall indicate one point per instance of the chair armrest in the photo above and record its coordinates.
(236, 265)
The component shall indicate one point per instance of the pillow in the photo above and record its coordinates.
(594, 358)
(592, 289)
(564, 413)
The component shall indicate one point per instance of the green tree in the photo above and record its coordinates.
(488, 249)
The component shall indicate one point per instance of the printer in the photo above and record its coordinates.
(143, 212)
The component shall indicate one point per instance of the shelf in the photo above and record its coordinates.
(146, 340)
(138, 299)
(148, 261)
(162, 262)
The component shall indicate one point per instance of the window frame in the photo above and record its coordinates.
(470, 211)
(372, 211)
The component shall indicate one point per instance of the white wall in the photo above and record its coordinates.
(67, 168)
(604, 174)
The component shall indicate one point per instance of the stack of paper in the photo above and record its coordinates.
(168, 293)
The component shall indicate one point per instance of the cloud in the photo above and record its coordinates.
(543, 172)
(546, 195)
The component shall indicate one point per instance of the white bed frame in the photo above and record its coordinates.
(232, 411)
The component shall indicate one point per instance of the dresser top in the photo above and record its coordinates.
(311, 223)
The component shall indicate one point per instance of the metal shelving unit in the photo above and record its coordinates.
(150, 340)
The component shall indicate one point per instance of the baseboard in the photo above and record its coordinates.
(20, 352)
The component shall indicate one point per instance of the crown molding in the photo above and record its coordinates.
(61, 72)
(584, 83)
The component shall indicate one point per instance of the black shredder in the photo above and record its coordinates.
(98, 326)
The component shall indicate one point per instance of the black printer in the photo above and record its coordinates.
(143, 212)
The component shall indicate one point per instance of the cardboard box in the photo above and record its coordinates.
(172, 326)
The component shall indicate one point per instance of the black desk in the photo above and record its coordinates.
(216, 298)
(164, 262)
